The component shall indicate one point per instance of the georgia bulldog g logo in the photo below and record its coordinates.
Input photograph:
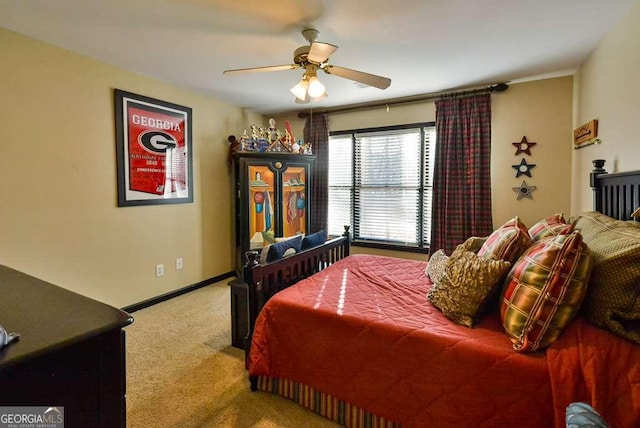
(157, 142)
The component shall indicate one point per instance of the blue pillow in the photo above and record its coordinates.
(276, 251)
(314, 239)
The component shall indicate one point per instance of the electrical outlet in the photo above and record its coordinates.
(179, 263)
(159, 270)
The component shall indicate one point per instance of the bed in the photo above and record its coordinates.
(355, 339)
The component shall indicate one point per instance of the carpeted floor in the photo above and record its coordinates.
(183, 372)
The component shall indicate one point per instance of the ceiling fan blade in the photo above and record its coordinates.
(358, 76)
(320, 52)
(262, 69)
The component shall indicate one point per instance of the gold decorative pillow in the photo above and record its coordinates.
(613, 297)
(469, 281)
(474, 243)
(438, 260)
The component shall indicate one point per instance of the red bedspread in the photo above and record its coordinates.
(364, 332)
(591, 365)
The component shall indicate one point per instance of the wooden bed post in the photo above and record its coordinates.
(348, 243)
(598, 169)
(250, 271)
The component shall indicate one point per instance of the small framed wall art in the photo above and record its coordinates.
(586, 134)
(153, 149)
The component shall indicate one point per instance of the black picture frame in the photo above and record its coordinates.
(154, 155)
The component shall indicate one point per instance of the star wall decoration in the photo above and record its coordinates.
(524, 191)
(523, 146)
(523, 168)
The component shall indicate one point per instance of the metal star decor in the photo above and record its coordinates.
(524, 191)
(523, 146)
(523, 168)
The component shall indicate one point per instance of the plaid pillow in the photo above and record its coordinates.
(613, 298)
(550, 226)
(506, 243)
(544, 291)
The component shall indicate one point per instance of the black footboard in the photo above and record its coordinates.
(265, 280)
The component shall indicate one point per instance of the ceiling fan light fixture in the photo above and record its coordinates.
(300, 90)
(316, 89)
(321, 97)
(307, 99)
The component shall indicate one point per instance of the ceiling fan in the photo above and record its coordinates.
(314, 57)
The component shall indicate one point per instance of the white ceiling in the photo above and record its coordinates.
(424, 46)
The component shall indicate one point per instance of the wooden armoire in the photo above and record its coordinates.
(273, 198)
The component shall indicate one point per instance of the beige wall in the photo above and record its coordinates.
(58, 217)
(541, 110)
(607, 88)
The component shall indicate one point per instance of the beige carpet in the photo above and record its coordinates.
(183, 372)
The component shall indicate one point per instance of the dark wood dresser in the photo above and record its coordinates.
(71, 352)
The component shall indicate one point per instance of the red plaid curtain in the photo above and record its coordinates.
(462, 172)
(316, 131)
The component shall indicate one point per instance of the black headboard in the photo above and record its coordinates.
(616, 195)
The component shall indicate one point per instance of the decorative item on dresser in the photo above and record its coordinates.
(360, 342)
(71, 352)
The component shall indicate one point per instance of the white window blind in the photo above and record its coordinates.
(427, 177)
(380, 180)
(340, 183)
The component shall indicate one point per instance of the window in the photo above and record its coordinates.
(380, 184)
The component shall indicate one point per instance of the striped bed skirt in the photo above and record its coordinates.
(324, 404)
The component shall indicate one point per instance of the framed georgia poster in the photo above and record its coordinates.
(153, 149)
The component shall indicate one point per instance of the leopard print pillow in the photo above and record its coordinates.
(436, 265)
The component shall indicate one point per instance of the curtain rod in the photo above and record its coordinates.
(498, 87)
